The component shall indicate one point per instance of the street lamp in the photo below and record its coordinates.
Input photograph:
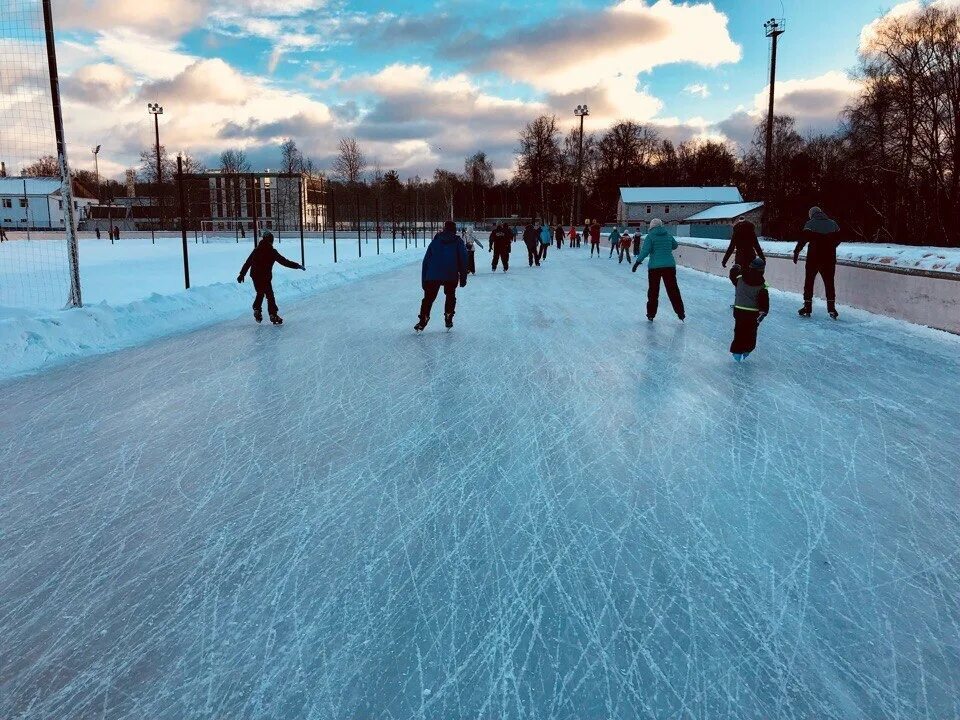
(156, 109)
(96, 167)
(580, 111)
(773, 29)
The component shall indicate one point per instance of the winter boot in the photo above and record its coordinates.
(746, 355)
(276, 319)
(806, 310)
(258, 314)
(422, 324)
(738, 357)
(448, 320)
(832, 311)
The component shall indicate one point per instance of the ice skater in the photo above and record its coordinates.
(821, 235)
(573, 237)
(499, 244)
(744, 245)
(614, 241)
(750, 307)
(558, 236)
(4, 238)
(546, 240)
(626, 240)
(470, 240)
(531, 238)
(659, 246)
(594, 231)
(260, 265)
(444, 266)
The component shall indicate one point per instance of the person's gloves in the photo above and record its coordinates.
(796, 258)
(723, 263)
(239, 278)
(636, 265)
(760, 317)
(303, 268)
(463, 281)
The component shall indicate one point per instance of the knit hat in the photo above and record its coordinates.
(656, 222)
(814, 211)
(450, 226)
(267, 237)
(758, 263)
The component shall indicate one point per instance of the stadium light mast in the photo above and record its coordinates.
(774, 29)
(96, 169)
(580, 111)
(156, 109)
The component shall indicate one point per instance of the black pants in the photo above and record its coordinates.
(624, 251)
(501, 255)
(471, 262)
(264, 289)
(745, 327)
(594, 246)
(533, 254)
(826, 268)
(430, 291)
(669, 277)
(543, 251)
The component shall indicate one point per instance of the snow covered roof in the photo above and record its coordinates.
(677, 195)
(34, 186)
(727, 211)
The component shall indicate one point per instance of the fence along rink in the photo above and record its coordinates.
(35, 203)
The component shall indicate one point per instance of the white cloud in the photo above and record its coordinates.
(205, 81)
(163, 18)
(144, 55)
(903, 10)
(816, 102)
(698, 89)
(98, 84)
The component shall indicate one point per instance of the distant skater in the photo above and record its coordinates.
(659, 246)
(745, 244)
(558, 236)
(260, 264)
(531, 238)
(444, 266)
(470, 241)
(637, 242)
(573, 237)
(499, 244)
(614, 241)
(750, 307)
(595, 238)
(4, 238)
(626, 240)
(546, 240)
(821, 235)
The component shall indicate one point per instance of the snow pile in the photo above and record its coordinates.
(937, 259)
(34, 339)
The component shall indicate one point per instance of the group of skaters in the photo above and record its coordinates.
(450, 258)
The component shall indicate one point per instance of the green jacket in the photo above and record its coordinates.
(658, 245)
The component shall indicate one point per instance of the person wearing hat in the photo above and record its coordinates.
(531, 238)
(594, 232)
(614, 241)
(499, 244)
(750, 306)
(444, 266)
(546, 239)
(745, 244)
(659, 245)
(821, 235)
(260, 264)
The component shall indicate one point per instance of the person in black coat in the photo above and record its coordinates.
(260, 265)
(531, 238)
(558, 236)
(821, 235)
(745, 244)
(500, 240)
(444, 266)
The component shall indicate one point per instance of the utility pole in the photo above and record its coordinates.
(581, 111)
(774, 29)
(96, 168)
(156, 109)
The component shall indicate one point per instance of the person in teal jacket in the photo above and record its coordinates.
(659, 246)
(614, 240)
(546, 238)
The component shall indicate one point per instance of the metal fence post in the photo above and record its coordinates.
(183, 224)
(303, 256)
(333, 219)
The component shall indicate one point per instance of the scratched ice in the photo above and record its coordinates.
(555, 511)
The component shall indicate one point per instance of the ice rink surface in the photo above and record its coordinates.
(557, 510)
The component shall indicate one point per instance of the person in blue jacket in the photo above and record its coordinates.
(659, 246)
(546, 239)
(444, 266)
(614, 240)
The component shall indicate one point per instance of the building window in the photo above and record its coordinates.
(648, 209)
(7, 203)
(666, 210)
(60, 204)
(24, 203)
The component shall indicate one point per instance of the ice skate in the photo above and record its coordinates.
(738, 357)
(832, 311)
(806, 310)
(421, 324)
(276, 319)
(448, 321)
(258, 315)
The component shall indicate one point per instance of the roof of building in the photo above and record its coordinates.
(34, 186)
(677, 195)
(726, 211)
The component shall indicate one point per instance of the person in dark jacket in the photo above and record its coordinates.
(821, 235)
(260, 265)
(750, 307)
(558, 236)
(499, 245)
(745, 244)
(595, 238)
(531, 238)
(444, 266)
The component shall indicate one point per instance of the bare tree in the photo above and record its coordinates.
(234, 161)
(539, 159)
(46, 166)
(349, 167)
(446, 183)
(478, 172)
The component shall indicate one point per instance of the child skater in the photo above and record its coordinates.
(470, 239)
(750, 307)
(260, 264)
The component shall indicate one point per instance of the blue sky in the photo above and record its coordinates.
(422, 84)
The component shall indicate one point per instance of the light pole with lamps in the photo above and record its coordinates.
(581, 111)
(96, 168)
(156, 109)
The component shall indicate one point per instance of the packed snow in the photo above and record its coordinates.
(556, 510)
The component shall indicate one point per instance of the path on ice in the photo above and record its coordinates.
(557, 510)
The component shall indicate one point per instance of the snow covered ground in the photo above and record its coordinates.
(133, 291)
(905, 256)
(558, 510)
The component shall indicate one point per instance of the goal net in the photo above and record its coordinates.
(34, 217)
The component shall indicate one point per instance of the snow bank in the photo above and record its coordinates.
(936, 259)
(36, 339)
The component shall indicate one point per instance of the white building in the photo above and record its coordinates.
(673, 205)
(276, 200)
(728, 214)
(29, 203)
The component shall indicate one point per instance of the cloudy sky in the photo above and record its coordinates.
(423, 84)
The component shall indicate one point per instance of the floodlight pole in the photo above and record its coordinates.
(774, 29)
(156, 110)
(580, 111)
